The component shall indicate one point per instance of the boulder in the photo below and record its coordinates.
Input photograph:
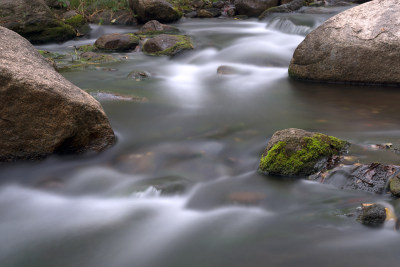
(253, 8)
(295, 152)
(40, 111)
(167, 45)
(117, 42)
(160, 10)
(155, 27)
(34, 20)
(359, 45)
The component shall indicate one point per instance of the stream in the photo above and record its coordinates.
(180, 187)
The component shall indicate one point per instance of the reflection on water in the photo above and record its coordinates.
(180, 187)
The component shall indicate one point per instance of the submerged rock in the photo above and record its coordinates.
(34, 20)
(155, 27)
(40, 111)
(117, 42)
(253, 8)
(160, 10)
(359, 45)
(167, 45)
(295, 152)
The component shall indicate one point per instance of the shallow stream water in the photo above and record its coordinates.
(180, 187)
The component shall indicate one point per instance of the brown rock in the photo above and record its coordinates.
(359, 45)
(117, 42)
(40, 112)
(155, 27)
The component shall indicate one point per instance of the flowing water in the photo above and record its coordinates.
(180, 187)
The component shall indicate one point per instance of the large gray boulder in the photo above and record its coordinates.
(359, 45)
(40, 111)
(34, 20)
(254, 8)
(160, 10)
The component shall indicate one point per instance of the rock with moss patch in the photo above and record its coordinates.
(117, 42)
(34, 20)
(154, 27)
(295, 152)
(167, 45)
(160, 10)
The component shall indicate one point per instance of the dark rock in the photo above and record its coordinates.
(286, 7)
(372, 178)
(209, 13)
(295, 152)
(373, 215)
(168, 45)
(34, 20)
(253, 8)
(160, 10)
(41, 112)
(155, 27)
(218, 4)
(117, 42)
(359, 45)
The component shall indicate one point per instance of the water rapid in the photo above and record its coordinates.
(180, 186)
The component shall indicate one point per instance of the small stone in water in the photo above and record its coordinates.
(372, 215)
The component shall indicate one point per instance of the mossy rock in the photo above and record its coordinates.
(54, 32)
(87, 48)
(167, 45)
(295, 152)
(76, 21)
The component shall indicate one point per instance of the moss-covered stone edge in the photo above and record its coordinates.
(280, 161)
(184, 43)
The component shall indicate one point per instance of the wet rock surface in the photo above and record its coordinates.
(253, 8)
(155, 27)
(372, 215)
(372, 178)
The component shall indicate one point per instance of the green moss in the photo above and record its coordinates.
(87, 48)
(76, 21)
(284, 161)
